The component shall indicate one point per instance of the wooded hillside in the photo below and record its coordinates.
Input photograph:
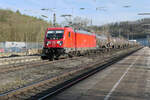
(131, 30)
(17, 27)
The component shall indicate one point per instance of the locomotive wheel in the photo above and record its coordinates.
(78, 53)
(56, 58)
(44, 57)
(51, 58)
(70, 56)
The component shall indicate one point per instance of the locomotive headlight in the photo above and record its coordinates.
(58, 42)
(61, 42)
(49, 42)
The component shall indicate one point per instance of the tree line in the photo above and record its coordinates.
(15, 26)
(128, 29)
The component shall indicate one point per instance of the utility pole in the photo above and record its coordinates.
(54, 15)
(119, 33)
(26, 44)
(54, 20)
(91, 22)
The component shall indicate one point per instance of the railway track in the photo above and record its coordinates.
(11, 68)
(33, 63)
(18, 60)
(48, 87)
(29, 74)
(37, 63)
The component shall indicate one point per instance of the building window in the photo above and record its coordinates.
(69, 34)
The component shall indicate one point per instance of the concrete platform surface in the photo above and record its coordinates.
(128, 79)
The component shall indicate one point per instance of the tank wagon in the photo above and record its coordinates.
(67, 41)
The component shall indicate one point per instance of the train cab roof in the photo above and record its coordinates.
(59, 28)
(70, 28)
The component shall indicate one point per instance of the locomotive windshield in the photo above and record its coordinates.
(54, 34)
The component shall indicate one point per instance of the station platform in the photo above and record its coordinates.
(129, 79)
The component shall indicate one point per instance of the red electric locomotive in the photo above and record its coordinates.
(65, 40)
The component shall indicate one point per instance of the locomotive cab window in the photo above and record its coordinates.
(55, 34)
(69, 34)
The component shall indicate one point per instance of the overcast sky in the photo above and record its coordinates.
(108, 10)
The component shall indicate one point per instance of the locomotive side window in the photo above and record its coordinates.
(69, 34)
(55, 34)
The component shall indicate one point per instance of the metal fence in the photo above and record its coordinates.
(1, 45)
(18, 47)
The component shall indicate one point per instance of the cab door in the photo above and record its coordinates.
(70, 39)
